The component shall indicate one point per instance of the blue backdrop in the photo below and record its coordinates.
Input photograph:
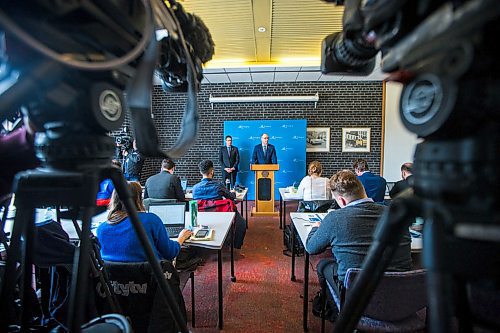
(289, 138)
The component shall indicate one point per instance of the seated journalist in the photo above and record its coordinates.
(405, 182)
(211, 189)
(106, 188)
(349, 232)
(374, 184)
(119, 241)
(313, 186)
(164, 185)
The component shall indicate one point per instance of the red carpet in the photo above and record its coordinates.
(263, 299)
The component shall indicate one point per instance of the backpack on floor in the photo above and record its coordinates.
(287, 240)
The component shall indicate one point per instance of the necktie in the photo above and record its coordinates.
(228, 151)
(265, 150)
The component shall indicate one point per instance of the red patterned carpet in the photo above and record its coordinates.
(263, 299)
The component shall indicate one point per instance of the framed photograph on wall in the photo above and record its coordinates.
(356, 139)
(318, 139)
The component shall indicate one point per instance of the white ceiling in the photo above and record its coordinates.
(279, 74)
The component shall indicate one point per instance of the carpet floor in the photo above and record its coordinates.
(263, 299)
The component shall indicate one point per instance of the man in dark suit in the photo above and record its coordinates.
(164, 185)
(229, 158)
(406, 174)
(264, 153)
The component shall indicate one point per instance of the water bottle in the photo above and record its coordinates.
(228, 184)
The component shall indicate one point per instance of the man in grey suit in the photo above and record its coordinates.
(229, 158)
(164, 185)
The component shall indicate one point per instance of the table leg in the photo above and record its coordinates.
(292, 234)
(306, 290)
(284, 218)
(246, 209)
(281, 212)
(233, 277)
(219, 283)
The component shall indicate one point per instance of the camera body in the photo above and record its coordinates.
(124, 142)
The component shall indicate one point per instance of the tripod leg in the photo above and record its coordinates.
(15, 255)
(386, 239)
(81, 272)
(121, 187)
(437, 284)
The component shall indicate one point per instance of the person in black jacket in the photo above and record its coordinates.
(132, 163)
(164, 185)
(229, 158)
(406, 174)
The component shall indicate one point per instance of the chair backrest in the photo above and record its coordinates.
(398, 295)
(136, 289)
(224, 205)
(148, 201)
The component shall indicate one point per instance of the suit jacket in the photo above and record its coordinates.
(374, 186)
(229, 161)
(400, 186)
(164, 185)
(258, 156)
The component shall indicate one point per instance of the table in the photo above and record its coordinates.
(241, 197)
(221, 223)
(284, 197)
(301, 224)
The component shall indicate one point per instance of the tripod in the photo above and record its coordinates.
(75, 168)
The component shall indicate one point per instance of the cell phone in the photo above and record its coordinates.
(201, 233)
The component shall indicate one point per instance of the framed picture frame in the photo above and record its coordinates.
(356, 139)
(318, 139)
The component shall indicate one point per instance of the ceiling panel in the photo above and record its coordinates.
(262, 77)
(299, 27)
(217, 78)
(240, 77)
(308, 76)
(285, 76)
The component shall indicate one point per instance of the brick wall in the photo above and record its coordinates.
(341, 104)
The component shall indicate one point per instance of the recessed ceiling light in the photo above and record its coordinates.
(261, 29)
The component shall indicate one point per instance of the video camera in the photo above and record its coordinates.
(124, 142)
(69, 67)
(442, 53)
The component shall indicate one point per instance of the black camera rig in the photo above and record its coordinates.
(444, 53)
(74, 67)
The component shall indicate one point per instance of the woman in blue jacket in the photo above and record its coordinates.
(119, 241)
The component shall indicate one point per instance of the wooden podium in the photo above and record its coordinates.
(264, 189)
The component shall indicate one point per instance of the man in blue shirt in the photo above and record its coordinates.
(374, 184)
(211, 189)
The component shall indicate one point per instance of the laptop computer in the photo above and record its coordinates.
(389, 186)
(184, 185)
(172, 215)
